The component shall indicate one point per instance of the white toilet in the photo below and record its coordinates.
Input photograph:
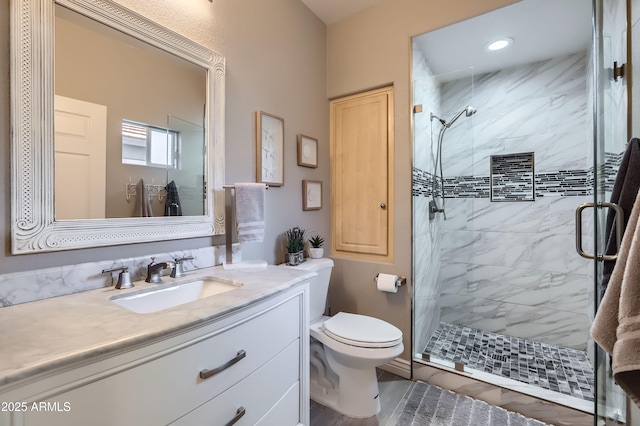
(345, 351)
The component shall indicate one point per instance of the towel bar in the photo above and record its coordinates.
(157, 191)
(233, 186)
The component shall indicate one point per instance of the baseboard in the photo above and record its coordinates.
(399, 367)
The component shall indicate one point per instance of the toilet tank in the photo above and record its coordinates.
(319, 286)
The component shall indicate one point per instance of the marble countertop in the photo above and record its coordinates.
(41, 336)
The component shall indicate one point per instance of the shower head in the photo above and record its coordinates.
(468, 111)
(433, 207)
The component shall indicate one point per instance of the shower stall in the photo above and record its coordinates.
(500, 293)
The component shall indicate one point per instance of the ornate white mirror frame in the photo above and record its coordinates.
(33, 224)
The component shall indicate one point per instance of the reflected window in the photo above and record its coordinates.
(145, 145)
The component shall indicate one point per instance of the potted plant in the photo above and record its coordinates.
(316, 250)
(295, 245)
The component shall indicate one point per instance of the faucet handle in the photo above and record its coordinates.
(124, 278)
(178, 268)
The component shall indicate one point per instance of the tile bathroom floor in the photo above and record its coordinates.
(564, 370)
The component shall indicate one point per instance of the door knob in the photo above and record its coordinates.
(383, 206)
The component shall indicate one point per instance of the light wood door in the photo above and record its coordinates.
(80, 159)
(362, 175)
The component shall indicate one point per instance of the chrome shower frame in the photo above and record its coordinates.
(433, 206)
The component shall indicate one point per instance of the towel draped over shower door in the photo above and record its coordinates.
(624, 192)
(616, 327)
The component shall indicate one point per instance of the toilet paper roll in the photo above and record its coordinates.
(388, 283)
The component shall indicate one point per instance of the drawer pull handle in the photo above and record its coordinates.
(205, 374)
(241, 411)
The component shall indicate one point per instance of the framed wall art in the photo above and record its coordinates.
(311, 195)
(307, 151)
(269, 149)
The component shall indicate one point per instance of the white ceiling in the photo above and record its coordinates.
(541, 29)
(331, 11)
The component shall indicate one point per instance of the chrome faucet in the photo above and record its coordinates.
(153, 270)
(178, 268)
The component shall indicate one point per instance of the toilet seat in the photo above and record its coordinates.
(362, 331)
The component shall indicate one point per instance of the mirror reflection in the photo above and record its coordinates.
(129, 125)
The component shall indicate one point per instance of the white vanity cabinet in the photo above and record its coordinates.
(251, 366)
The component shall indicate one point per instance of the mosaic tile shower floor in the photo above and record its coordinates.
(564, 370)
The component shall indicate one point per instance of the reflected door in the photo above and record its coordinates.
(80, 159)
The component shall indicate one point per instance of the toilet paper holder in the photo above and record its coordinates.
(400, 281)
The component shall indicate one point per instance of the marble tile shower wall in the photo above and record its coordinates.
(22, 287)
(540, 107)
(426, 234)
(511, 267)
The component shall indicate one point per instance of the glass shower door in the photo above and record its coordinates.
(426, 233)
(186, 194)
(610, 137)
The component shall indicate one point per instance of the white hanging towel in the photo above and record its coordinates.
(250, 212)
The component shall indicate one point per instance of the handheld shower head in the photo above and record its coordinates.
(433, 207)
(468, 111)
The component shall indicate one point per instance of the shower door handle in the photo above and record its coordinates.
(619, 224)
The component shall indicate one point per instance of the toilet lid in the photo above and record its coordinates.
(362, 331)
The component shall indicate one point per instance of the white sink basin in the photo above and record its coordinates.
(157, 299)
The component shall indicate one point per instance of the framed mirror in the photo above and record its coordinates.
(160, 129)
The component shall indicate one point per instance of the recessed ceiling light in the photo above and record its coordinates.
(499, 44)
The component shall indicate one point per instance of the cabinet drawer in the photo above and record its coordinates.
(286, 411)
(165, 388)
(255, 396)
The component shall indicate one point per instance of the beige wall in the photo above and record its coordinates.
(267, 69)
(369, 50)
(291, 77)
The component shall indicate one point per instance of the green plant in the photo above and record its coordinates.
(295, 239)
(316, 241)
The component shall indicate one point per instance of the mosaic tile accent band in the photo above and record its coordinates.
(467, 187)
(564, 183)
(564, 370)
(611, 165)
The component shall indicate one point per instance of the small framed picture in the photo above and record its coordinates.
(307, 151)
(311, 195)
(269, 149)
